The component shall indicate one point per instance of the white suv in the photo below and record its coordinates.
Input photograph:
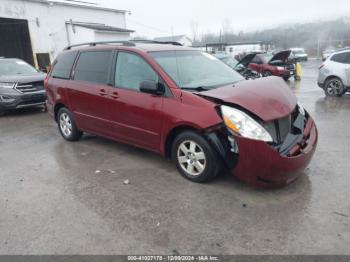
(334, 73)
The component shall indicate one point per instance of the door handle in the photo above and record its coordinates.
(103, 92)
(115, 95)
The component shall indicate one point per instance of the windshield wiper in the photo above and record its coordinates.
(198, 88)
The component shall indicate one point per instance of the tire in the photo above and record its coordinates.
(334, 87)
(67, 126)
(267, 73)
(2, 112)
(286, 78)
(194, 158)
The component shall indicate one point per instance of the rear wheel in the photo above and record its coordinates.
(195, 159)
(67, 126)
(334, 87)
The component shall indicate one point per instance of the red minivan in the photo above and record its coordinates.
(183, 104)
(278, 64)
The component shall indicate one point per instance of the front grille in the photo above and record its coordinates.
(280, 129)
(30, 87)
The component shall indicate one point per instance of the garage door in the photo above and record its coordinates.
(15, 39)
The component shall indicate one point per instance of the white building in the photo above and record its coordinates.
(37, 30)
(238, 47)
(182, 39)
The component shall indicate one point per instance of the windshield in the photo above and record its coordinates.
(298, 52)
(15, 67)
(195, 69)
(265, 58)
(230, 61)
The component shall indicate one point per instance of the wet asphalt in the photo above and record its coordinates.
(70, 198)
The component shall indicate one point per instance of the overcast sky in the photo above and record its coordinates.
(163, 17)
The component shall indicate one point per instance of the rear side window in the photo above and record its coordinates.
(131, 70)
(343, 58)
(257, 60)
(63, 65)
(93, 67)
(347, 58)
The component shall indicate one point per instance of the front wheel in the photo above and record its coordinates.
(195, 159)
(267, 73)
(67, 126)
(334, 87)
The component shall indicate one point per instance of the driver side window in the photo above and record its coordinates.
(131, 70)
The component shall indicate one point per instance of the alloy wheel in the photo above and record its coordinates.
(335, 87)
(65, 124)
(267, 73)
(191, 158)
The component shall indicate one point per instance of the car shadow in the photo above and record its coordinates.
(24, 112)
(224, 180)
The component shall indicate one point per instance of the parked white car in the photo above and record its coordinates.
(298, 54)
(334, 73)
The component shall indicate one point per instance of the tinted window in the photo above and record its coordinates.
(257, 60)
(347, 58)
(63, 65)
(131, 70)
(341, 58)
(93, 67)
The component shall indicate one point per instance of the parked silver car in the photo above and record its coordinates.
(298, 54)
(334, 73)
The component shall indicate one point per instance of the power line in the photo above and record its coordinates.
(148, 26)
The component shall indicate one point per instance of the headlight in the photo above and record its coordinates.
(239, 122)
(7, 85)
(301, 108)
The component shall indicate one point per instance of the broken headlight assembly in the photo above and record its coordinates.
(241, 123)
(7, 85)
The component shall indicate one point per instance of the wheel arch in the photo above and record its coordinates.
(333, 76)
(172, 135)
(57, 107)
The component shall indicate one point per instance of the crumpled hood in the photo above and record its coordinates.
(269, 98)
(282, 56)
(23, 78)
(245, 61)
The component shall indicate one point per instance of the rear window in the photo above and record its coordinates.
(63, 65)
(93, 66)
(343, 58)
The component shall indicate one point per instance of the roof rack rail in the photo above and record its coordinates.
(156, 42)
(125, 43)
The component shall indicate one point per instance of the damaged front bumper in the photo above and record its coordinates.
(263, 164)
(260, 164)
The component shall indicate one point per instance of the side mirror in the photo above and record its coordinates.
(152, 87)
